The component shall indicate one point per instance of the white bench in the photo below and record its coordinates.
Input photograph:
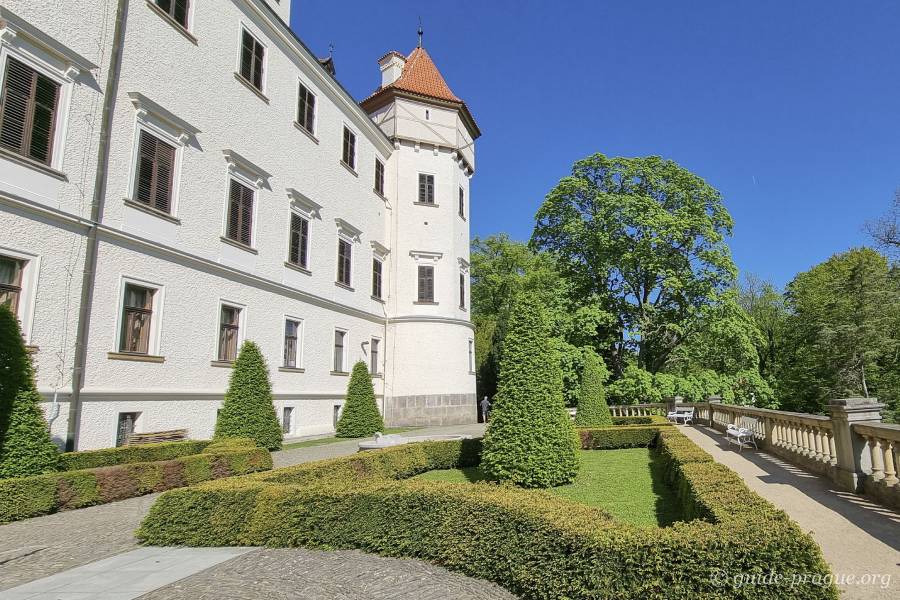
(742, 433)
(683, 414)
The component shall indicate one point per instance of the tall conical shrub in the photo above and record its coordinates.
(360, 417)
(592, 408)
(530, 439)
(25, 444)
(248, 411)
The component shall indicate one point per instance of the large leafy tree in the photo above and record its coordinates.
(886, 229)
(646, 239)
(765, 304)
(844, 331)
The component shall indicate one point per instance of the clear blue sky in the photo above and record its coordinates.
(790, 109)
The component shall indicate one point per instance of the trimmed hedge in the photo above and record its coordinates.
(648, 420)
(592, 408)
(91, 459)
(360, 417)
(25, 497)
(534, 543)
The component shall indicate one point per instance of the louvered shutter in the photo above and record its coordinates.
(240, 213)
(155, 172)
(29, 104)
(299, 236)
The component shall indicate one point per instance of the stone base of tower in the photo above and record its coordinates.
(430, 410)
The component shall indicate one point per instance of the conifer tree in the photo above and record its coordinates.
(360, 417)
(592, 408)
(530, 440)
(248, 411)
(25, 444)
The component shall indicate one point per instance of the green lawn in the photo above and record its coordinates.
(332, 439)
(625, 483)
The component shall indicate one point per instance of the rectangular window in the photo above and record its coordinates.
(349, 152)
(373, 356)
(28, 112)
(306, 109)
(253, 55)
(462, 203)
(240, 213)
(11, 282)
(471, 356)
(343, 274)
(155, 172)
(177, 9)
(379, 177)
(426, 188)
(462, 290)
(376, 278)
(339, 350)
(137, 311)
(229, 328)
(291, 343)
(125, 427)
(287, 414)
(426, 284)
(299, 241)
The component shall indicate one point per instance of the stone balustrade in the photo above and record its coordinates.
(850, 445)
(883, 445)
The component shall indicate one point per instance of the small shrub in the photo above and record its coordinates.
(247, 411)
(360, 417)
(530, 440)
(25, 444)
(592, 408)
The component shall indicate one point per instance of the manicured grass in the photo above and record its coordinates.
(625, 483)
(332, 439)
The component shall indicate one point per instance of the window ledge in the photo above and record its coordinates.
(251, 87)
(237, 244)
(292, 369)
(225, 364)
(306, 131)
(168, 19)
(424, 303)
(340, 373)
(463, 217)
(377, 375)
(151, 211)
(464, 309)
(291, 265)
(148, 358)
(429, 204)
(349, 168)
(31, 349)
(377, 299)
(380, 195)
(344, 285)
(33, 164)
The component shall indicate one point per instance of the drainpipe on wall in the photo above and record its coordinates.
(90, 259)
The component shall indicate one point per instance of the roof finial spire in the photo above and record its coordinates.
(420, 32)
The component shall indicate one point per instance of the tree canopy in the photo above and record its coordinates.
(646, 238)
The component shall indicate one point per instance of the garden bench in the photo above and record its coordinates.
(682, 415)
(742, 433)
(173, 435)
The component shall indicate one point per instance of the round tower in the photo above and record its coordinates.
(430, 341)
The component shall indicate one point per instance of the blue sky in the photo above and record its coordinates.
(790, 109)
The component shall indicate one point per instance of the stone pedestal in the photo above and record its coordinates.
(853, 458)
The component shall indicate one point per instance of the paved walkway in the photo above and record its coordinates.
(860, 539)
(34, 550)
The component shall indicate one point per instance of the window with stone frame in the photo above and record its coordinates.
(379, 177)
(291, 343)
(29, 103)
(155, 172)
(377, 268)
(348, 153)
(253, 56)
(426, 188)
(176, 9)
(240, 213)
(229, 332)
(344, 262)
(11, 270)
(339, 340)
(426, 284)
(137, 315)
(306, 109)
(298, 251)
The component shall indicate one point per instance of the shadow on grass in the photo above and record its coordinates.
(668, 507)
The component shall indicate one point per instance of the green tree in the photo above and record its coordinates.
(25, 444)
(886, 229)
(248, 410)
(766, 306)
(647, 239)
(843, 336)
(360, 417)
(634, 387)
(530, 440)
(592, 408)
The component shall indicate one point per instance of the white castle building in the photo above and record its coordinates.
(177, 176)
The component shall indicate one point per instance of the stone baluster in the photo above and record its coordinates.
(817, 439)
(890, 472)
(875, 452)
(826, 448)
(831, 448)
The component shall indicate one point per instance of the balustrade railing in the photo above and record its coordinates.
(882, 444)
(638, 410)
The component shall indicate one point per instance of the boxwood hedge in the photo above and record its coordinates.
(534, 543)
(24, 497)
(90, 459)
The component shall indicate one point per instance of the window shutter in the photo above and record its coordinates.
(155, 172)
(246, 214)
(29, 104)
(240, 213)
